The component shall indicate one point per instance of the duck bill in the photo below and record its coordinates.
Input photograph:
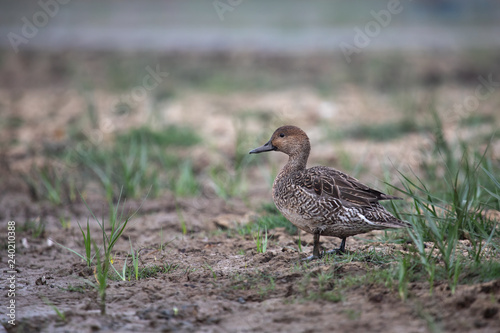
(266, 147)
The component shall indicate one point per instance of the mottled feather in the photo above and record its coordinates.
(321, 200)
(328, 181)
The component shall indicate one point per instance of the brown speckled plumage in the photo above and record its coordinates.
(322, 200)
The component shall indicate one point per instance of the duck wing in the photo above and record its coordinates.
(328, 182)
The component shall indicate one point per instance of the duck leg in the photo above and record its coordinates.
(340, 250)
(316, 254)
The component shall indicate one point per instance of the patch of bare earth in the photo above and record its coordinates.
(216, 280)
(219, 283)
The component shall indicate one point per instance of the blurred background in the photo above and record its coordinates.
(260, 26)
(102, 95)
(154, 105)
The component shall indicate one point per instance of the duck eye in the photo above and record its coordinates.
(282, 135)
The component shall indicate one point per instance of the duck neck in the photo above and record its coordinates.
(296, 162)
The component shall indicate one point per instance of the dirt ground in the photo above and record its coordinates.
(217, 282)
(215, 289)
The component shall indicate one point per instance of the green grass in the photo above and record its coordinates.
(210, 268)
(332, 280)
(50, 182)
(168, 136)
(230, 179)
(65, 222)
(182, 221)
(60, 314)
(404, 270)
(155, 270)
(373, 256)
(226, 74)
(228, 182)
(130, 272)
(268, 287)
(75, 289)
(259, 280)
(380, 132)
(12, 121)
(36, 227)
(261, 240)
(330, 285)
(135, 261)
(270, 219)
(352, 314)
(102, 256)
(330, 296)
(267, 222)
(375, 275)
(87, 241)
(478, 272)
(448, 204)
(476, 120)
(135, 162)
(186, 184)
(319, 287)
(445, 197)
(445, 203)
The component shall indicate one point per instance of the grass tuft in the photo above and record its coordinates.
(134, 162)
(186, 183)
(449, 204)
(380, 132)
(102, 254)
(36, 227)
(271, 219)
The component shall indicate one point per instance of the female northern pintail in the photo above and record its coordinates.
(322, 200)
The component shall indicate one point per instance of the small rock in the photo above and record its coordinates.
(41, 281)
(24, 243)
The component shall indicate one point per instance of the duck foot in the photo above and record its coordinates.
(318, 255)
(334, 251)
(313, 257)
(322, 254)
(340, 250)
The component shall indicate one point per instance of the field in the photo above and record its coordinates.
(137, 207)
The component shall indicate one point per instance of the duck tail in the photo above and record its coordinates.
(397, 223)
(384, 196)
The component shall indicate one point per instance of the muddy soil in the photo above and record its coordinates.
(219, 283)
(213, 279)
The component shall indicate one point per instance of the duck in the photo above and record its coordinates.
(321, 200)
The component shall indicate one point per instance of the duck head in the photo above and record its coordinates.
(290, 140)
